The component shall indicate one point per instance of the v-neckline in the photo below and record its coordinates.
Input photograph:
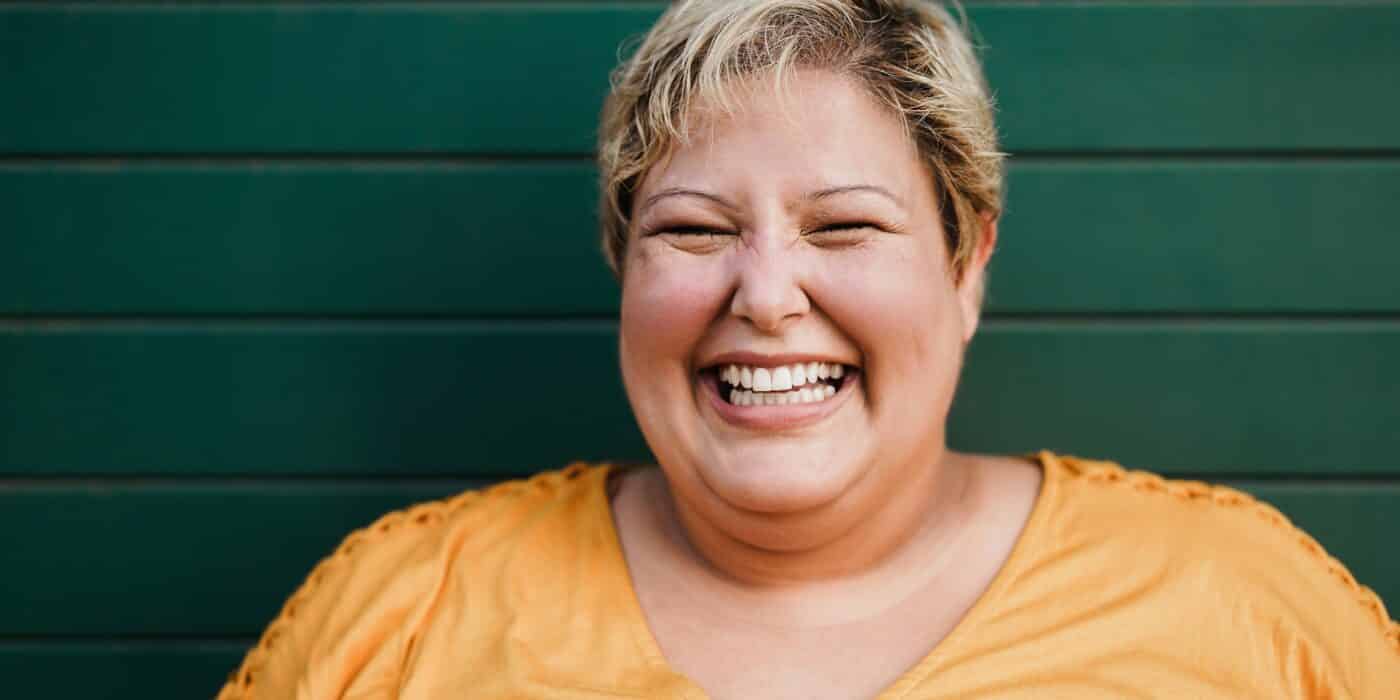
(620, 578)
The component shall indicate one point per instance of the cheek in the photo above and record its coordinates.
(901, 308)
(667, 304)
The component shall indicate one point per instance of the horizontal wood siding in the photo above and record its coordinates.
(118, 670)
(518, 78)
(473, 398)
(1199, 236)
(269, 269)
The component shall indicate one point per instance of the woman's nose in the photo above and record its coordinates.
(768, 290)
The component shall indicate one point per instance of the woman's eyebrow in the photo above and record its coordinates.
(843, 189)
(683, 192)
(813, 196)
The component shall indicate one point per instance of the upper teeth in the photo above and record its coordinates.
(780, 378)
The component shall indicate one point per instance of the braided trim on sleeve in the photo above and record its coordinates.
(1109, 473)
(240, 683)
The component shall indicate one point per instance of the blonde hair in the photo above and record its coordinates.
(911, 55)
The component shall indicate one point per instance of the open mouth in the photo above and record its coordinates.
(800, 383)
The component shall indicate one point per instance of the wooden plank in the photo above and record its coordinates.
(1189, 397)
(308, 78)
(118, 670)
(1209, 236)
(487, 399)
(188, 560)
(529, 78)
(1194, 75)
(203, 560)
(426, 398)
(519, 238)
(302, 239)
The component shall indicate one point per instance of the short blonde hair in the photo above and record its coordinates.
(911, 55)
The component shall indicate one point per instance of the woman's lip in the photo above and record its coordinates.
(760, 360)
(783, 417)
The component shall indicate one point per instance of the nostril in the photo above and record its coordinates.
(770, 302)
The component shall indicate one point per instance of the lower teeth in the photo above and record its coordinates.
(813, 394)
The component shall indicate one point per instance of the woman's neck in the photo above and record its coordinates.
(875, 547)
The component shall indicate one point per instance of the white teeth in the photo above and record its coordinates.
(762, 380)
(799, 375)
(780, 386)
(810, 394)
(782, 379)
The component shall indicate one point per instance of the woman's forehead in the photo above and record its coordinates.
(815, 132)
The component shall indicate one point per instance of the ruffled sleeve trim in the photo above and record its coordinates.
(241, 684)
(1108, 473)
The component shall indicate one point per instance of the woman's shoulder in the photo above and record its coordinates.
(367, 592)
(1231, 554)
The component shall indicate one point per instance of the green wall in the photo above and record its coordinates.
(270, 269)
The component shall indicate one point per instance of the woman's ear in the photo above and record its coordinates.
(972, 286)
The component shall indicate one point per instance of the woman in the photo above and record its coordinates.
(800, 201)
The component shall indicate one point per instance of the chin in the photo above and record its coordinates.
(778, 479)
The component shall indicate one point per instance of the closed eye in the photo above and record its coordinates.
(693, 238)
(845, 226)
(843, 233)
(693, 231)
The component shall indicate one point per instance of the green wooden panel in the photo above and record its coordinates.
(1188, 397)
(1182, 237)
(117, 670)
(184, 560)
(528, 78)
(347, 398)
(219, 559)
(1195, 75)
(302, 239)
(307, 78)
(519, 238)
(494, 398)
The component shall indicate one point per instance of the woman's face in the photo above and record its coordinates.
(800, 231)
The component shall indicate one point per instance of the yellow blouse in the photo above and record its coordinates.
(1122, 584)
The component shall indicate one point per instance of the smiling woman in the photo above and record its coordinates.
(820, 241)
(800, 201)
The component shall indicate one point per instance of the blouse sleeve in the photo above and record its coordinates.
(1328, 635)
(1355, 654)
(345, 632)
